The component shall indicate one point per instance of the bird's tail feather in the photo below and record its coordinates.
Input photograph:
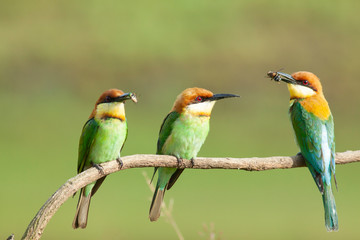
(157, 200)
(82, 211)
(331, 219)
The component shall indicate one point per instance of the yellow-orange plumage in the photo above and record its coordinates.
(314, 131)
(318, 106)
(315, 103)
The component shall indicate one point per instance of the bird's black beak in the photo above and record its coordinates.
(216, 97)
(126, 96)
(277, 76)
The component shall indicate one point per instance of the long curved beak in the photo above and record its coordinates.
(126, 96)
(216, 97)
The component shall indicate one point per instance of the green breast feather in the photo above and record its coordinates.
(101, 141)
(188, 135)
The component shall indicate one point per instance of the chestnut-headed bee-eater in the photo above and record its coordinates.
(182, 134)
(101, 140)
(314, 129)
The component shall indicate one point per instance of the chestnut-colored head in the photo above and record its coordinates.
(197, 101)
(111, 104)
(301, 84)
(190, 96)
(307, 85)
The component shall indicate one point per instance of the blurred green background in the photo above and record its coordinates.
(57, 57)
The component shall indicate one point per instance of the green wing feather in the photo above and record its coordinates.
(86, 140)
(126, 135)
(309, 132)
(165, 131)
(308, 129)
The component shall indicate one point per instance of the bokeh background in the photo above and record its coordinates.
(57, 57)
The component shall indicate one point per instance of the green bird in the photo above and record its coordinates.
(313, 125)
(182, 134)
(101, 140)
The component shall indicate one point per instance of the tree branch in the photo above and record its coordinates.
(41, 219)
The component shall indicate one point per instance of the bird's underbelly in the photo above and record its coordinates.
(187, 137)
(108, 141)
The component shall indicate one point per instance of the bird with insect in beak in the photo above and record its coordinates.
(101, 140)
(182, 134)
(314, 130)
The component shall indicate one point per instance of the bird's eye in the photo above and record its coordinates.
(305, 82)
(108, 99)
(199, 99)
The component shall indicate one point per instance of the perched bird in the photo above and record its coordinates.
(314, 129)
(101, 140)
(182, 134)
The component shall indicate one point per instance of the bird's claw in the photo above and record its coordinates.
(179, 161)
(99, 168)
(120, 162)
(192, 162)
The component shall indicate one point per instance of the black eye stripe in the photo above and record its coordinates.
(199, 99)
(306, 83)
(107, 99)
(302, 82)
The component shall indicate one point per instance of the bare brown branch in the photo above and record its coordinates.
(41, 219)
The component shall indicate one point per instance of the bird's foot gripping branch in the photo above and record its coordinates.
(43, 216)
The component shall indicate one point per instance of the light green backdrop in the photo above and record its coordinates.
(57, 57)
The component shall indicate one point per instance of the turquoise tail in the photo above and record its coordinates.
(331, 218)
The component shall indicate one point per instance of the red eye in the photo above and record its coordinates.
(305, 82)
(199, 99)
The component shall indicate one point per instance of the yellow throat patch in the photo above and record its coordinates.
(298, 91)
(110, 110)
